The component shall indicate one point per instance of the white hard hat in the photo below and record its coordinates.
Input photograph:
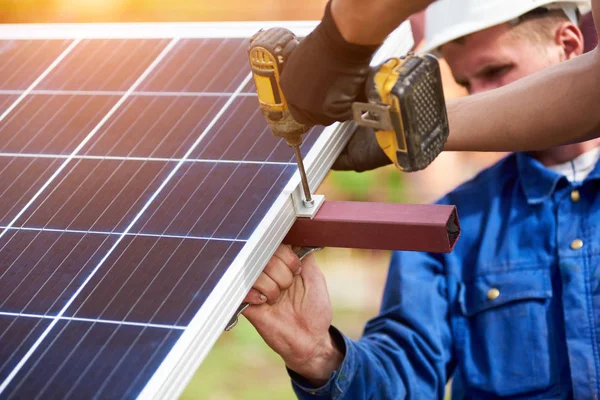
(447, 20)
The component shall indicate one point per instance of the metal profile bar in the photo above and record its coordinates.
(379, 226)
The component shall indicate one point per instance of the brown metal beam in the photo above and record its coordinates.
(378, 226)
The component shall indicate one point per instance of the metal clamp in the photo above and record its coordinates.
(374, 116)
(302, 252)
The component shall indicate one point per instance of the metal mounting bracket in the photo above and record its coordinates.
(303, 209)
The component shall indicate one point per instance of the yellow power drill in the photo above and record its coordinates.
(405, 105)
(267, 54)
(407, 110)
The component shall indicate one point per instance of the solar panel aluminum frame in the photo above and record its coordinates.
(175, 371)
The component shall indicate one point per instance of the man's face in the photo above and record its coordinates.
(494, 57)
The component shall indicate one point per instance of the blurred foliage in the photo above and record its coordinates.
(384, 184)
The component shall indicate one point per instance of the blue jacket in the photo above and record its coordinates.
(513, 312)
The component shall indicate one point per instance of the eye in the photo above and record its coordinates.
(496, 71)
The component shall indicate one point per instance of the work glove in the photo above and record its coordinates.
(362, 153)
(324, 75)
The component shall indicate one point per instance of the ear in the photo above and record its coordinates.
(570, 39)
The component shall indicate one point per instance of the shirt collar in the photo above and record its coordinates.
(539, 182)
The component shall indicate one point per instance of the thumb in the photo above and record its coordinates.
(253, 312)
(311, 273)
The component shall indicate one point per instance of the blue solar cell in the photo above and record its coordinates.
(87, 360)
(155, 280)
(100, 195)
(104, 65)
(22, 61)
(17, 335)
(245, 135)
(42, 270)
(215, 200)
(201, 65)
(149, 126)
(20, 179)
(43, 124)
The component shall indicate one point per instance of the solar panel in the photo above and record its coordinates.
(141, 193)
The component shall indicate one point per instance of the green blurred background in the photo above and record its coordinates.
(241, 366)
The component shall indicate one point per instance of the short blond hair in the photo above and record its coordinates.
(539, 25)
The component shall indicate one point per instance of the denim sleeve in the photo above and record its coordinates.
(405, 351)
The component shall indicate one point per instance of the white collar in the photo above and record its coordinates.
(578, 168)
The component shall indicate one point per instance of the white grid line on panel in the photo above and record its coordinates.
(106, 233)
(37, 343)
(93, 320)
(127, 158)
(40, 78)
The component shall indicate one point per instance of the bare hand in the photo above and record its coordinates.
(295, 319)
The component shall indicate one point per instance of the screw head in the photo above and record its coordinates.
(308, 203)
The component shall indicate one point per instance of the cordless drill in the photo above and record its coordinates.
(267, 53)
(405, 105)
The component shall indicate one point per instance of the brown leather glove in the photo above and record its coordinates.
(324, 75)
(362, 153)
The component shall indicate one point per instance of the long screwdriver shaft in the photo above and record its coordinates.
(308, 202)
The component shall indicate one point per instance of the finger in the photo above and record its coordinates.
(255, 297)
(288, 257)
(311, 274)
(280, 273)
(267, 286)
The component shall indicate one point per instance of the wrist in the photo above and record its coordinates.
(338, 44)
(317, 368)
(368, 22)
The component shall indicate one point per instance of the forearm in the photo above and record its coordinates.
(556, 106)
(369, 22)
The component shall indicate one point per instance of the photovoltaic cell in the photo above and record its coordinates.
(155, 280)
(99, 195)
(17, 335)
(45, 124)
(87, 360)
(22, 61)
(42, 270)
(151, 126)
(201, 65)
(103, 65)
(20, 179)
(5, 101)
(215, 200)
(244, 136)
(132, 174)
